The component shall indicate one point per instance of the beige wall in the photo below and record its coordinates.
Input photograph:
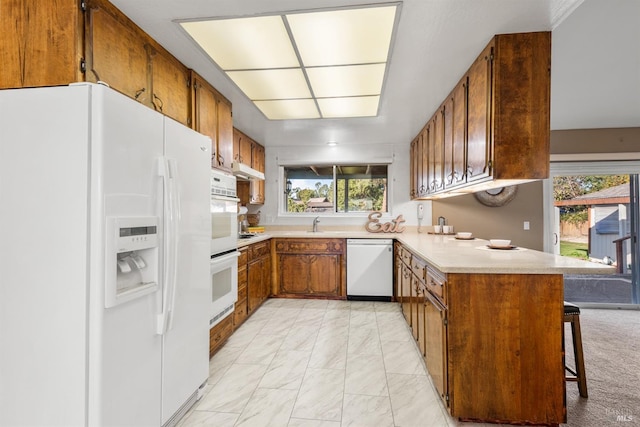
(465, 213)
(615, 140)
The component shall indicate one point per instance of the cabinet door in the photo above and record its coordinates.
(406, 293)
(454, 138)
(170, 82)
(415, 297)
(427, 167)
(225, 134)
(257, 163)
(205, 113)
(413, 169)
(294, 277)
(266, 277)
(418, 166)
(479, 116)
(41, 43)
(324, 277)
(254, 283)
(437, 183)
(435, 343)
(116, 54)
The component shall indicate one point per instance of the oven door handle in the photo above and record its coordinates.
(224, 198)
(224, 258)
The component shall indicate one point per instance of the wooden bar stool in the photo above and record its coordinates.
(572, 315)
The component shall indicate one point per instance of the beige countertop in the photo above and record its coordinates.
(450, 255)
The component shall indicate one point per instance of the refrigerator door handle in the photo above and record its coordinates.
(174, 196)
(166, 169)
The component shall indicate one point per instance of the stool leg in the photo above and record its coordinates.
(579, 356)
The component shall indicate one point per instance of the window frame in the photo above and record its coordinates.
(282, 196)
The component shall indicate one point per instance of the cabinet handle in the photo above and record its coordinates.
(157, 107)
(139, 92)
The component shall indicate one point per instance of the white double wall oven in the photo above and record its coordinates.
(224, 252)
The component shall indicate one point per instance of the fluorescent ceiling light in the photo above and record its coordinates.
(291, 64)
(351, 80)
(271, 84)
(289, 109)
(362, 106)
(245, 43)
(341, 37)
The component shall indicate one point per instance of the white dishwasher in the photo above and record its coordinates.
(370, 269)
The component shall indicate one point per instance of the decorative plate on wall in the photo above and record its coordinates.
(497, 196)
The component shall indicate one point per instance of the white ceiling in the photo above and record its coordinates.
(595, 60)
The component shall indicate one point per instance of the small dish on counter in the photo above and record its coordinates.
(501, 247)
(500, 243)
(464, 235)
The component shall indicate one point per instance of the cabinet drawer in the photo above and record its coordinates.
(239, 312)
(311, 246)
(418, 267)
(405, 256)
(219, 334)
(242, 291)
(242, 274)
(436, 282)
(242, 259)
(258, 250)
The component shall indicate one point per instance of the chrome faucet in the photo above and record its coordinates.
(316, 220)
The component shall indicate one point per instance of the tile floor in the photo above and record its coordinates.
(320, 363)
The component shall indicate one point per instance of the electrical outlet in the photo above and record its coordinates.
(526, 225)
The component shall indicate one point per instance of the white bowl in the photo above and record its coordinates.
(500, 243)
(464, 234)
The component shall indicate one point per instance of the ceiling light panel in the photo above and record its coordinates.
(271, 84)
(245, 43)
(363, 106)
(354, 80)
(343, 37)
(289, 109)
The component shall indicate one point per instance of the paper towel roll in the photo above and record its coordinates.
(242, 210)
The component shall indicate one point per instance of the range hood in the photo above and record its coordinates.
(245, 173)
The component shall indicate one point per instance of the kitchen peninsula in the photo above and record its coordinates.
(487, 322)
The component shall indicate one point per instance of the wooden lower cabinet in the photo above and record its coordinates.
(219, 334)
(259, 275)
(492, 343)
(435, 343)
(240, 312)
(310, 267)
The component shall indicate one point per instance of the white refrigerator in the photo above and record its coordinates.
(104, 260)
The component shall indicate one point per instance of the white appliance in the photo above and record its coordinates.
(104, 257)
(223, 273)
(224, 212)
(370, 269)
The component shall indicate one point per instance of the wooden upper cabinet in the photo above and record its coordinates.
(205, 112)
(41, 43)
(521, 110)
(211, 114)
(225, 133)
(496, 121)
(241, 147)
(454, 135)
(479, 116)
(170, 87)
(116, 53)
(438, 151)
